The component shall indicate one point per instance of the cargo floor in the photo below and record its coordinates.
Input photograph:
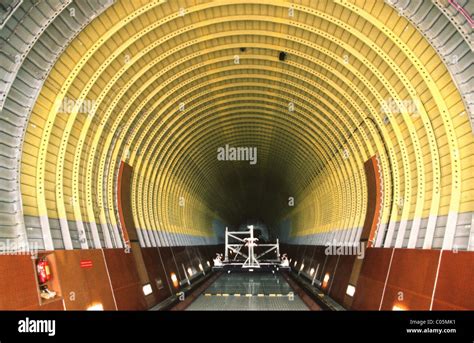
(248, 291)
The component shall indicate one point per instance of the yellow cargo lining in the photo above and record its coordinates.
(119, 61)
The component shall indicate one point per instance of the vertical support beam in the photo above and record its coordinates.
(107, 238)
(186, 274)
(402, 228)
(82, 234)
(470, 246)
(67, 235)
(95, 236)
(389, 237)
(226, 259)
(251, 242)
(415, 229)
(46, 230)
(430, 229)
(315, 274)
(450, 231)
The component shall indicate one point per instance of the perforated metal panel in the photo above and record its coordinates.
(167, 83)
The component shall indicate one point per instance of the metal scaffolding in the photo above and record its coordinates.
(236, 242)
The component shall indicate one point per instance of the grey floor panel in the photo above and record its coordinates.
(248, 292)
(232, 303)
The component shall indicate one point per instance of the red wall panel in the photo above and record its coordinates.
(374, 201)
(182, 259)
(319, 257)
(18, 283)
(156, 272)
(341, 278)
(408, 278)
(455, 286)
(329, 268)
(124, 203)
(109, 277)
(167, 257)
(126, 284)
(371, 280)
(83, 287)
(412, 276)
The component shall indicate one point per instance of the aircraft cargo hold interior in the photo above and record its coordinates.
(197, 155)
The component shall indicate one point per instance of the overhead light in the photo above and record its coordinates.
(208, 263)
(190, 272)
(302, 266)
(325, 280)
(200, 267)
(397, 308)
(96, 307)
(147, 290)
(311, 272)
(350, 290)
(296, 262)
(174, 279)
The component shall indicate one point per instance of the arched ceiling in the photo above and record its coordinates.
(162, 85)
